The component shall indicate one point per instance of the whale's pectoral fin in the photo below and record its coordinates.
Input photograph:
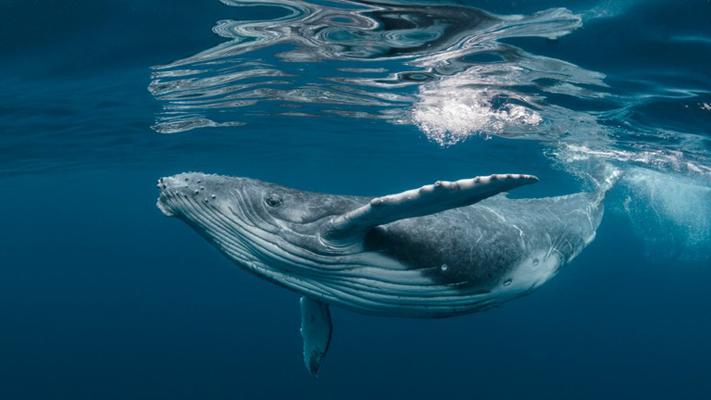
(316, 332)
(426, 200)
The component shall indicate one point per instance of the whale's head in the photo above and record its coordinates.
(258, 224)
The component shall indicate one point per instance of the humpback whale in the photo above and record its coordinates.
(441, 250)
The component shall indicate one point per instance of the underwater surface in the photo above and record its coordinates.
(102, 297)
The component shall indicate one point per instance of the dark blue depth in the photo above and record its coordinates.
(102, 297)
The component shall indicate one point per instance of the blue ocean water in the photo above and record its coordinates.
(103, 297)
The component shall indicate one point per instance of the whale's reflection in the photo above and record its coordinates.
(451, 70)
(400, 62)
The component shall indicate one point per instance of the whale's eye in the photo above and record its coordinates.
(273, 200)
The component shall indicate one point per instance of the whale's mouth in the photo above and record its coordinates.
(170, 188)
(164, 208)
(207, 204)
(167, 188)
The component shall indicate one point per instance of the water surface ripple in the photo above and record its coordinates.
(451, 70)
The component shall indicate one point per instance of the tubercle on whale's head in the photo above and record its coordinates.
(232, 213)
(185, 194)
(211, 202)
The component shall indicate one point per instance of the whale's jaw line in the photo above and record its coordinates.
(235, 232)
(165, 210)
(188, 197)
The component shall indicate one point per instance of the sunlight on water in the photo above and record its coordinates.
(443, 68)
(665, 160)
(419, 51)
(450, 119)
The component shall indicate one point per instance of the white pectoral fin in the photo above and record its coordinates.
(426, 200)
(316, 332)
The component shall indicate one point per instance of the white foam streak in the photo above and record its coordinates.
(450, 119)
(666, 160)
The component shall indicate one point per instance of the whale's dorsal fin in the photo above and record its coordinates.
(316, 332)
(429, 199)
